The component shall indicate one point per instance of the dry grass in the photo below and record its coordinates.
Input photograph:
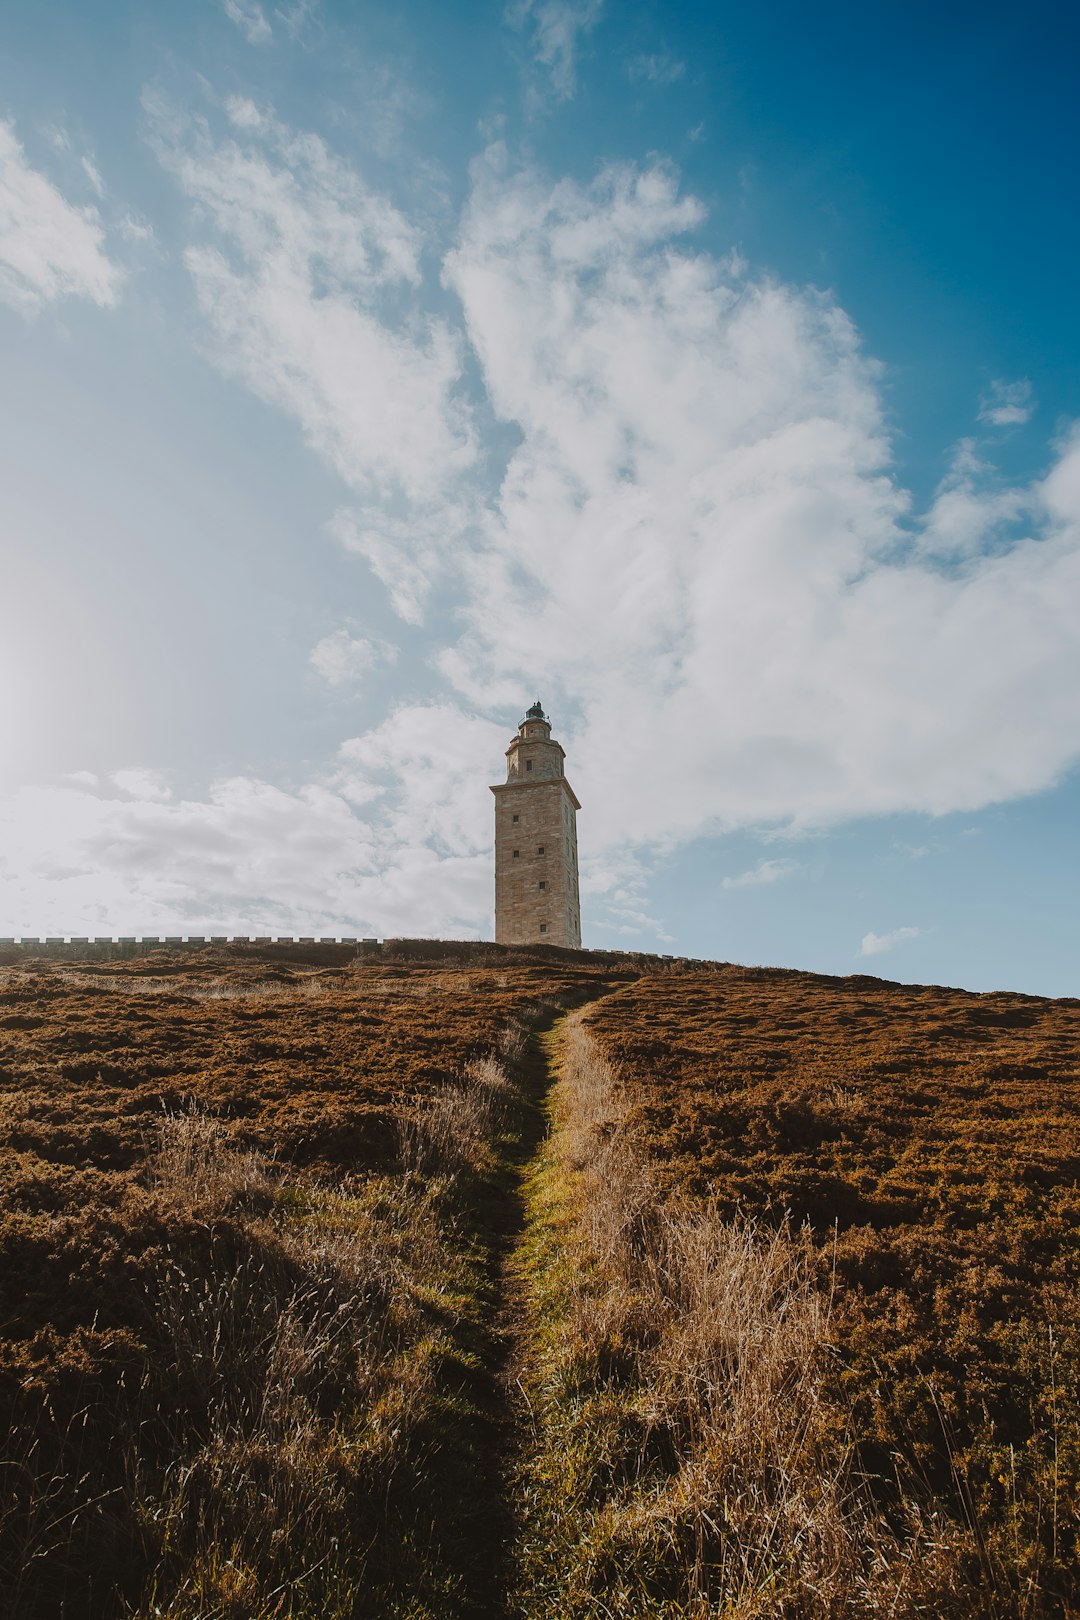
(198, 1172)
(688, 1453)
(927, 1144)
(242, 1284)
(271, 1454)
(195, 989)
(319, 1066)
(800, 1269)
(458, 1131)
(678, 1431)
(309, 1362)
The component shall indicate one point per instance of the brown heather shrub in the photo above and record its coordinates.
(929, 1140)
(294, 1367)
(247, 1352)
(289, 1438)
(690, 1456)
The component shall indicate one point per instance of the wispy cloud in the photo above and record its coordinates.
(556, 28)
(874, 944)
(615, 885)
(311, 281)
(251, 20)
(149, 786)
(136, 230)
(343, 659)
(297, 16)
(656, 69)
(1007, 404)
(93, 175)
(970, 509)
(763, 872)
(48, 248)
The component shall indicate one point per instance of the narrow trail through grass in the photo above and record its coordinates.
(509, 1329)
(672, 1459)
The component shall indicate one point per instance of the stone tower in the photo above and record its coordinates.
(536, 871)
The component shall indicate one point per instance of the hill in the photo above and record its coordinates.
(318, 1297)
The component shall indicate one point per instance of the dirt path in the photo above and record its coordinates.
(507, 1337)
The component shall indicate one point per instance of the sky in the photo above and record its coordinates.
(711, 373)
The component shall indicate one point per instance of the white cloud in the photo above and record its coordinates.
(93, 175)
(557, 27)
(657, 69)
(250, 18)
(48, 248)
(969, 512)
(136, 230)
(408, 554)
(700, 549)
(297, 16)
(397, 840)
(430, 764)
(138, 782)
(874, 944)
(310, 283)
(1007, 404)
(763, 872)
(614, 886)
(250, 855)
(342, 659)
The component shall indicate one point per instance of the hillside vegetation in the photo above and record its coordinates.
(384, 1287)
(927, 1144)
(245, 1212)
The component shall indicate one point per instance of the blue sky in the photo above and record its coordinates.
(713, 373)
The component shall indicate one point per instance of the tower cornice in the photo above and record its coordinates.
(523, 784)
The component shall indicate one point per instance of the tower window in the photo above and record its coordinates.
(528, 764)
(543, 928)
(517, 853)
(515, 818)
(539, 849)
(543, 885)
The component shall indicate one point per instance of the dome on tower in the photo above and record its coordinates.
(536, 712)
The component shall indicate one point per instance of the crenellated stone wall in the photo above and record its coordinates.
(74, 948)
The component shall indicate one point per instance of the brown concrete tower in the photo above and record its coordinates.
(536, 872)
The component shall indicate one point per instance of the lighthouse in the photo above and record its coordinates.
(536, 865)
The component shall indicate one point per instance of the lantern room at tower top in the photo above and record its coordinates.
(533, 753)
(537, 897)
